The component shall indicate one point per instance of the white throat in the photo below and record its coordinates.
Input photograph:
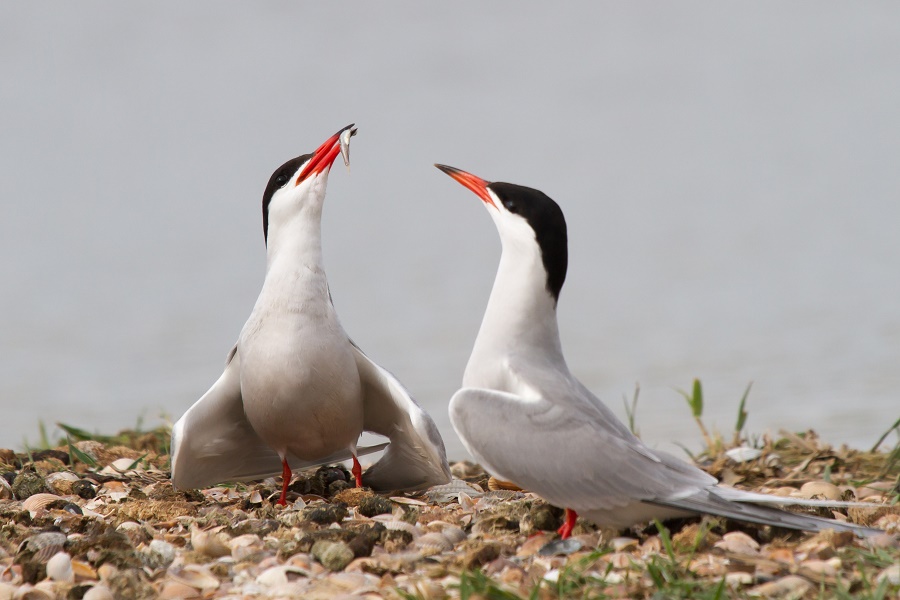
(519, 329)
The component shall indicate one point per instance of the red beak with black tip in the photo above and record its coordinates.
(473, 182)
(323, 157)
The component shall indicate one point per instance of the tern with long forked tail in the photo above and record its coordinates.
(528, 420)
(296, 391)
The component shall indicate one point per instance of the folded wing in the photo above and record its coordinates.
(415, 458)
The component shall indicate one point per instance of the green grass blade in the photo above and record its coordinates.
(75, 453)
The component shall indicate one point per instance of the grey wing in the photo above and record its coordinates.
(214, 442)
(566, 456)
(735, 504)
(415, 458)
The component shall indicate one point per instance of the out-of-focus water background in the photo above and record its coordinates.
(730, 175)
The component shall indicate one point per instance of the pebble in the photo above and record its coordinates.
(232, 542)
(161, 554)
(374, 505)
(561, 547)
(334, 556)
(28, 483)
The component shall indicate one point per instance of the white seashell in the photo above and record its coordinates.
(454, 534)
(124, 465)
(41, 591)
(449, 491)
(98, 592)
(623, 543)
(274, 576)
(465, 501)
(208, 542)
(743, 454)
(792, 586)
(407, 501)
(255, 497)
(391, 522)
(195, 576)
(739, 543)
(433, 543)
(114, 490)
(61, 481)
(163, 551)
(891, 574)
(280, 575)
(44, 545)
(246, 547)
(552, 575)
(6, 492)
(59, 568)
(38, 502)
(176, 590)
(738, 578)
(819, 489)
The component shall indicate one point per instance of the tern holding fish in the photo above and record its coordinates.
(524, 416)
(296, 391)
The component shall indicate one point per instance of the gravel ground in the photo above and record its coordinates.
(98, 518)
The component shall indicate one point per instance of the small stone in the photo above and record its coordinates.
(374, 505)
(335, 487)
(542, 517)
(332, 474)
(84, 489)
(480, 556)
(353, 496)
(326, 515)
(160, 554)
(561, 547)
(305, 486)
(334, 556)
(28, 483)
(365, 540)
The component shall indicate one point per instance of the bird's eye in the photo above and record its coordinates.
(510, 205)
(281, 179)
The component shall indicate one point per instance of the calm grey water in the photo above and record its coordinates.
(729, 174)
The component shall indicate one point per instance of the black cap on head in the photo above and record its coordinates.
(549, 225)
(279, 178)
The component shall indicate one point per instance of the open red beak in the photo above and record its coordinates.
(473, 182)
(323, 157)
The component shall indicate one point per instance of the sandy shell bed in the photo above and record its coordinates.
(99, 519)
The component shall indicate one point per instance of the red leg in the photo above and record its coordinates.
(566, 530)
(357, 472)
(286, 481)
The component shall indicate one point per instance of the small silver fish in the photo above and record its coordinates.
(345, 145)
